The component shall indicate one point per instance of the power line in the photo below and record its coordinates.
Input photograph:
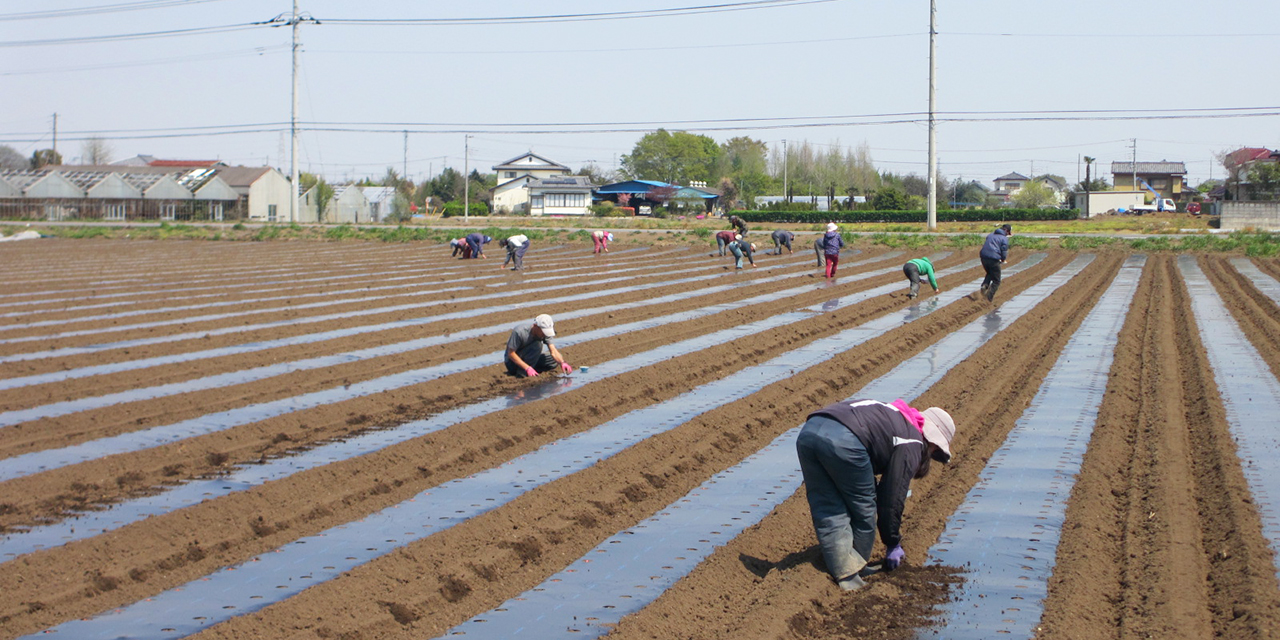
(144, 35)
(578, 17)
(222, 55)
(108, 8)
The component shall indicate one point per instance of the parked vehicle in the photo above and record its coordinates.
(1193, 208)
(1158, 204)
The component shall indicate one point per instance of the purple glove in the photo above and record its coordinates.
(564, 366)
(895, 558)
(531, 372)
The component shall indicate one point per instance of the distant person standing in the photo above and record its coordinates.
(530, 350)
(723, 239)
(916, 268)
(516, 246)
(739, 225)
(601, 240)
(742, 249)
(995, 252)
(476, 242)
(832, 243)
(782, 238)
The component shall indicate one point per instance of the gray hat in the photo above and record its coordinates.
(939, 429)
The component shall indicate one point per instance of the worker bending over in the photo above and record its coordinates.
(516, 246)
(914, 269)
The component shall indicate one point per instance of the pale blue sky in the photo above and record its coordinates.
(847, 60)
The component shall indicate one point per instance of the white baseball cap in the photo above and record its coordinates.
(547, 325)
(939, 429)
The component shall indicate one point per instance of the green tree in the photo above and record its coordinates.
(45, 157)
(728, 194)
(889, 198)
(1264, 180)
(1034, 194)
(447, 186)
(324, 191)
(596, 174)
(675, 158)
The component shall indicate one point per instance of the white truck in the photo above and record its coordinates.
(1157, 204)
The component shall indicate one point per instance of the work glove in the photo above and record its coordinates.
(531, 372)
(564, 366)
(895, 558)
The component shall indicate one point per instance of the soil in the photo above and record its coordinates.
(1161, 538)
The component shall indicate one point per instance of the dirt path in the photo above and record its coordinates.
(1127, 565)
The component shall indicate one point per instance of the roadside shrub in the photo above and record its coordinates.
(607, 209)
(454, 209)
(909, 216)
(702, 232)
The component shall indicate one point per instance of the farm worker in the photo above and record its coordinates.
(913, 270)
(516, 246)
(819, 248)
(530, 350)
(601, 240)
(832, 243)
(995, 252)
(476, 242)
(842, 448)
(459, 246)
(741, 248)
(739, 225)
(723, 239)
(782, 238)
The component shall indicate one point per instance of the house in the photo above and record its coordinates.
(348, 205)
(512, 195)
(1169, 179)
(1007, 185)
(560, 195)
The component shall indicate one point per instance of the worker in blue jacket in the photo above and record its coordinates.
(995, 252)
(842, 448)
(476, 242)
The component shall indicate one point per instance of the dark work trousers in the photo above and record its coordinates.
(821, 250)
(913, 274)
(992, 281)
(841, 488)
(476, 249)
(543, 364)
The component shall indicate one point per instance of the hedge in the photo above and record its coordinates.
(944, 215)
(454, 209)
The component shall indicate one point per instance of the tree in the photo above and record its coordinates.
(12, 160)
(597, 175)
(1034, 194)
(1264, 180)
(728, 193)
(676, 158)
(45, 157)
(889, 198)
(324, 191)
(95, 151)
(1088, 169)
(447, 186)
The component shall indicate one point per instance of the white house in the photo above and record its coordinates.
(560, 196)
(514, 175)
(348, 205)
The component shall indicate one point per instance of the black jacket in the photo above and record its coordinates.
(896, 448)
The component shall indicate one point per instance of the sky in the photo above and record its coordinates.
(1028, 87)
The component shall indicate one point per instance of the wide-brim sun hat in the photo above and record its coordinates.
(831, 226)
(939, 429)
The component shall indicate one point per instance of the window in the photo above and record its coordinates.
(168, 211)
(511, 174)
(535, 202)
(115, 212)
(1159, 183)
(216, 211)
(271, 213)
(566, 199)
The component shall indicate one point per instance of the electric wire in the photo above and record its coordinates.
(577, 17)
(100, 9)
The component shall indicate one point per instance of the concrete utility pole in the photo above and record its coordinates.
(55, 135)
(293, 121)
(466, 176)
(1134, 166)
(404, 172)
(932, 199)
(786, 195)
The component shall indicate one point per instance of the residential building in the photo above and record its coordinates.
(560, 195)
(1168, 179)
(512, 194)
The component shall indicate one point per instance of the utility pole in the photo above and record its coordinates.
(295, 19)
(466, 176)
(1134, 165)
(932, 200)
(404, 172)
(786, 195)
(55, 135)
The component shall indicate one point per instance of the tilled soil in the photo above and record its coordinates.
(1161, 538)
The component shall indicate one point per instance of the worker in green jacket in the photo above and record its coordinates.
(916, 268)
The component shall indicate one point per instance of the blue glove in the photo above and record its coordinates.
(895, 558)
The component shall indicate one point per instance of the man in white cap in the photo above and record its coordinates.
(842, 448)
(530, 350)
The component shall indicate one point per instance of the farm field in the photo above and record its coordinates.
(317, 440)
